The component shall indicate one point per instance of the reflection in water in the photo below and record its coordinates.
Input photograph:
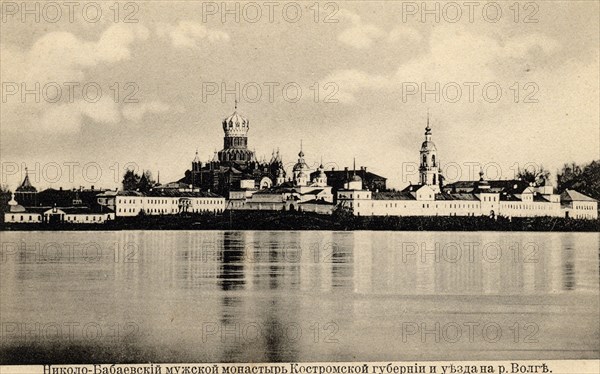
(568, 264)
(307, 296)
(231, 270)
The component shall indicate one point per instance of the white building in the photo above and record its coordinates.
(578, 205)
(508, 198)
(72, 214)
(164, 201)
(298, 194)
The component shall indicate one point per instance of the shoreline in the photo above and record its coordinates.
(303, 221)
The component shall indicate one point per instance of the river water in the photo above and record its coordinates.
(302, 296)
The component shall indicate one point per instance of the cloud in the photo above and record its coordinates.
(360, 35)
(135, 112)
(188, 34)
(69, 117)
(351, 81)
(404, 33)
(62, 57)
(455, 55)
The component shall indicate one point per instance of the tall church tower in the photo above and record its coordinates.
(429, 170)
(235, 142)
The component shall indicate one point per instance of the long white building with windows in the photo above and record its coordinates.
(163, 201)
(507, 198)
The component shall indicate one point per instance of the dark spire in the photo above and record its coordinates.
(301, 153)
(26, 182)
(428, 128)
(26, 185)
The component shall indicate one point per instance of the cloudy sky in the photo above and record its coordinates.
(361, 67)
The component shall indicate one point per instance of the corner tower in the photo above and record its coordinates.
(429, 170)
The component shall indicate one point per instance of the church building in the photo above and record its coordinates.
(234, 163)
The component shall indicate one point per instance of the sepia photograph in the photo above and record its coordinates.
(299, 187)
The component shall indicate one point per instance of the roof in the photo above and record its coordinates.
(456, 196)
(572, 195)
(317, 202)
(343, 173)
(540, 198)
(177, 184)
(36, 209)
(169, 192)
(177, 193)
(393, 195)
(508, 185)
(107, 194)
(275, 191)
(313, 192)
(95, 209)
(129, 193)
(26, 185)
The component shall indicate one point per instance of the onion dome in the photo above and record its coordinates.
(14, 207)
(235, 119)
(301, 165)
(356, 178)
(321, 171)
(428, 145)
(236, 125)
(482, 184)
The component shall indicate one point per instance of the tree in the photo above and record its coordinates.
(582, 178)
(130, 180)
(134, 182)
(146, 182)
(538, 177)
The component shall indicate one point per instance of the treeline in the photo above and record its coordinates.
(582, 178)
(137, 182)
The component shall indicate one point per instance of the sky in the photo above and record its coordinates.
(91, 90)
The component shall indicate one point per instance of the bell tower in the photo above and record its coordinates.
(429, 170)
